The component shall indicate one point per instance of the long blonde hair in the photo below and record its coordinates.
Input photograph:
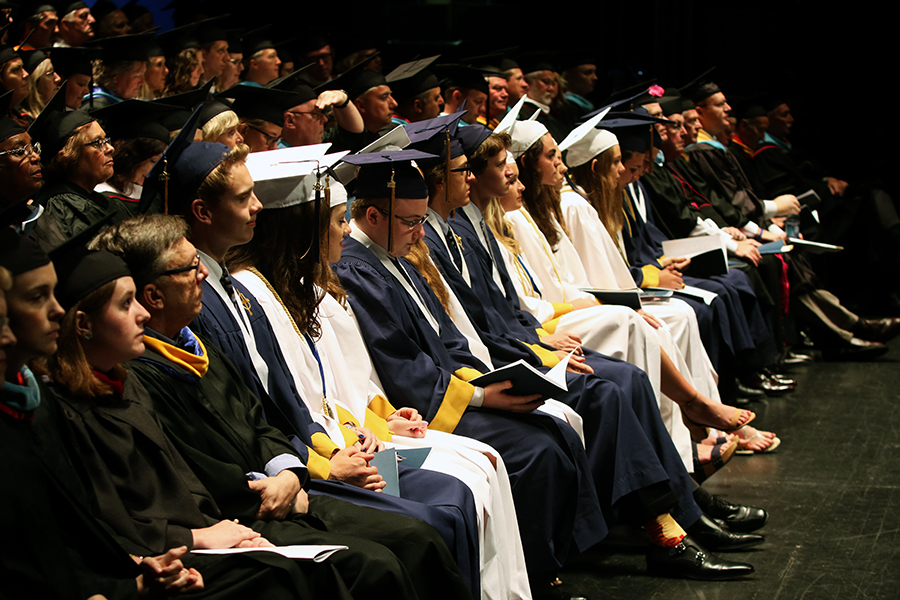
(420, 257)
(495, 217)
(33, 103)
(601, 187)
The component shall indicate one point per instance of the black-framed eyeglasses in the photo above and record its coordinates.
(195, 265)
(464, 169)
(269, 137)
(411, 223)
(24, 151)
(100, 144)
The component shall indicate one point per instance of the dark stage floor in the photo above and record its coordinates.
(832, 491)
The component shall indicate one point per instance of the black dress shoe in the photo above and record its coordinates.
(797, 358)
(779, 378)
(747, 393)
(690, 560)
(877, 330)
(718, 538)
(855, 349)
(734, 516)
(761, 382)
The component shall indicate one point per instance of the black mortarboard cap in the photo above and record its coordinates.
(8, 126)
(18, 253)
(135, 118)
(133, 10)
(210, 109)
(31, 59)
(531, 62)
(189, 100)
(123, 48)
(72, 6)
(55, 124)
(180, 38)
(700, 88)
(211, 30)
(74, 61)
(744, 107)
(361, 81)
(671, 102)
(234, 41)
(251, 102)
(257, 40)
(772, 100)
(311, 41)
(356, 80)
(462, 77)
(7, 54)
(577, 57)
(292, 83)
(81, 271)
(102, 8)
(411, 79)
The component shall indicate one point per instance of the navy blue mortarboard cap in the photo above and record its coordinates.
(431, 136)
(378, 169)
(633, 131)
(181, 169)
(471, 137)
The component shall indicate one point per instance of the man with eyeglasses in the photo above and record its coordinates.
(543, 88)
(304, 123)
(261, 111)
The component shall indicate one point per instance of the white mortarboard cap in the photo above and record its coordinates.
(586, 141)
(396, 139)
(523, 133)
(285, 177)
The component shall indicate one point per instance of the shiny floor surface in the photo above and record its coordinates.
(832, 491)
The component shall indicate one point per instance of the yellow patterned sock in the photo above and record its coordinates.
(664, 531)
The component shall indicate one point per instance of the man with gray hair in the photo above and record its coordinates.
(76, 27)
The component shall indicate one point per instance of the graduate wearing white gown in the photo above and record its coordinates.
(354, 395)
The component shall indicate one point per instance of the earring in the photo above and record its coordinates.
(88, 335)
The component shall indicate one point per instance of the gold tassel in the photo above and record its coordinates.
(391, 185)
(164, 177)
